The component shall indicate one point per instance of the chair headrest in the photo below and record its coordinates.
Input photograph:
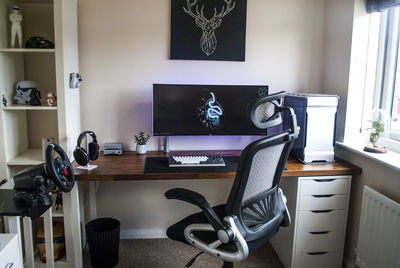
(265, 112)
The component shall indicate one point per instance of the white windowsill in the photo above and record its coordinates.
(390, 159)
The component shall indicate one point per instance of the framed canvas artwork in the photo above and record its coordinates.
(208, 29)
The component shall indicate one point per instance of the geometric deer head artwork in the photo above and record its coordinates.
(208, 41)
(208, 29)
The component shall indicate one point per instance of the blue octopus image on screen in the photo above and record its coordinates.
(210, 111)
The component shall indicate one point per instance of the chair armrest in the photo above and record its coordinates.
(197, 200)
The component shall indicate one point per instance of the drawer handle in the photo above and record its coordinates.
(317, 233)
(328, 180)
(322, 195)
(322, 211)
(317, 253)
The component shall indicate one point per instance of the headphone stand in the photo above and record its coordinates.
(88, 165)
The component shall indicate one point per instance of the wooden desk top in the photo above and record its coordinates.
(130, 166)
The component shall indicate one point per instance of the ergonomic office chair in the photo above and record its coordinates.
(256, 207)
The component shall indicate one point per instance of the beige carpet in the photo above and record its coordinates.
(164, 253)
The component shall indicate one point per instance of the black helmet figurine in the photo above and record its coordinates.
(38, 42)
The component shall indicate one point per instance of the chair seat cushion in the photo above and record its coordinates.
(176, 231)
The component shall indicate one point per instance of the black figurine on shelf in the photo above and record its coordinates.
(35, 98)
(39, 42)
(4, 100)
(58, 199)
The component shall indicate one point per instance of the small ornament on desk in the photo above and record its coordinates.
(141, 139)
(4, 100)
(378, 127)
(51, 99)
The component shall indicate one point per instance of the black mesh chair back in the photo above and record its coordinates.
(256, 207)
(255, 199)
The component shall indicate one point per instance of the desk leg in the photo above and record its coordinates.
(82, 212)
(76, 226)
(69, 238)
(13, 226)
(28, 238)
(48, 237)
(92, 200)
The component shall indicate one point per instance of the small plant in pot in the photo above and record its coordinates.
(377, 127)
(141, 139)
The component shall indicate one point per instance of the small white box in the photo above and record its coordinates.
(45, 143)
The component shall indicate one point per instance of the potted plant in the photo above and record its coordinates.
(376, 128)
(141, 139)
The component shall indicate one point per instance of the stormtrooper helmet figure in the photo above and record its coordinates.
(23, 91)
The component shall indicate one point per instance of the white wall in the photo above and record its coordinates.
(338, 36)
(124, 49)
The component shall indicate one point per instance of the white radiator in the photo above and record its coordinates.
(379, 235)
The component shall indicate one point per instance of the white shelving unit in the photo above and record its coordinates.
(56, 213)
(60, 263)
(27, 50)
(30, 157)
(16, 107)
(23, 127)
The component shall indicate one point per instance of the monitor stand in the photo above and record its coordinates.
(166, 144)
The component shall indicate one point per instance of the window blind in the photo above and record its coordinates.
(380, 5)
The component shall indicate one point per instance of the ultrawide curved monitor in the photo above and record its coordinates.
(180, 110)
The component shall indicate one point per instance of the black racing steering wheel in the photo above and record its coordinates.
(59, 169)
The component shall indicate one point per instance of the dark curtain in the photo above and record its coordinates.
(380, 5)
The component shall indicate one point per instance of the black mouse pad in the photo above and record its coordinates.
(160, 165)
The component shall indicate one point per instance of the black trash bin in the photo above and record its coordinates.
(103, 239)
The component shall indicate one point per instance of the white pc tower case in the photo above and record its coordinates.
(316, 116)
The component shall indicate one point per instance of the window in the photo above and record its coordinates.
(387, 85)
(374, 79)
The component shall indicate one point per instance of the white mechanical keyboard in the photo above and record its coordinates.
(196, 161)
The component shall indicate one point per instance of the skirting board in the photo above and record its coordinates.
(143, 233)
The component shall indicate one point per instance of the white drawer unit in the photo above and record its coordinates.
(318, 206)
(323, 202)
(323, 186)
(320, 220)
(10, 255)
(318, 241)
(319, 259)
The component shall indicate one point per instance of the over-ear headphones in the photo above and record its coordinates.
(80, 154)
